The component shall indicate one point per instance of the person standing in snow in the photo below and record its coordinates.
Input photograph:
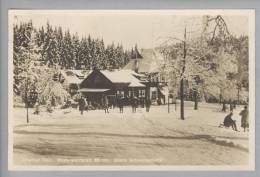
(81, 105)
(244, 118)
(37, 107)
(105, 100)
(224, 107)
(133, 104)
(121, 104)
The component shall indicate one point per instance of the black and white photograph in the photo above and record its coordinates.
(131, 89)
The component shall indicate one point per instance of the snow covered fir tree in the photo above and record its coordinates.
(216, 66)
(41, 53)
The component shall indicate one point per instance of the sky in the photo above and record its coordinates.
(147, 29)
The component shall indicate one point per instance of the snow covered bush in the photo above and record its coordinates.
(54, 90)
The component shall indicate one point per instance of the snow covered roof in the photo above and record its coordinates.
(77, 72)
(136, 84)
(93, 90)
(147, 64)
(74, 76)
(73, 80)
(123, 76)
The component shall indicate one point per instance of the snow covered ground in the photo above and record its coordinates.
(155, 138)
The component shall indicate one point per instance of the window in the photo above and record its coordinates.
(135, 93)
(154, 95)
(129, 93)
(120, 93)
(142, 93)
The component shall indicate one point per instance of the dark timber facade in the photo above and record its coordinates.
(113, 85)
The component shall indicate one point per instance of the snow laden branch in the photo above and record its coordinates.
(211, 61)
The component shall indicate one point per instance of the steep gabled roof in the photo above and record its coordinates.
(148, 64)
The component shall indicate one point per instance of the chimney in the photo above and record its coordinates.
(136, 67)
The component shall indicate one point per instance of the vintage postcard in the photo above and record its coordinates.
(131, 90)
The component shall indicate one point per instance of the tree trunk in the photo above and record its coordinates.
(26, 99)
(27, 113)
(224, 106)
(183, 70)
(195, 99)
(182, 100)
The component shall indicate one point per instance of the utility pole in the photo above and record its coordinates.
(195, 95)
(182, 80)
(195, 92)
(175, 107)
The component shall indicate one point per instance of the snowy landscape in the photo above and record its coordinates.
(154, 138)
(94, 90)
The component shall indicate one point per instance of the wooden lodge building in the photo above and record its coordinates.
(113, 85)
(140, 78)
